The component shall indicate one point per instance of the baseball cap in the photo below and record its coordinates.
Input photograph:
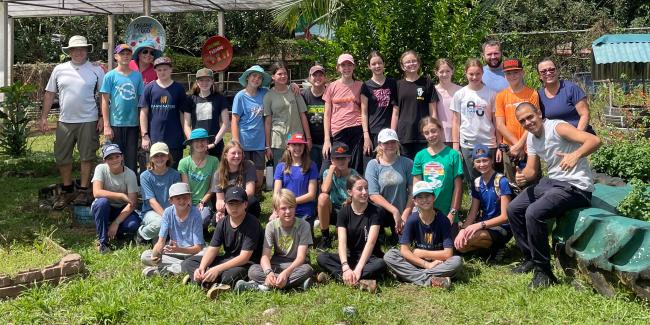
(480, 151)
(121, 47)
(179, 189)
(345, 57)
(205, 72)
(426, 187)
(340, 149)
(386, 135)
(512, 65)
(235, 193)
(316, 68)
(296, 138)
(110, 149)
(162, 60)
(158, 147)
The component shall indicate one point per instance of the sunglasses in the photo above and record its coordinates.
(147, 51)
(547, 71)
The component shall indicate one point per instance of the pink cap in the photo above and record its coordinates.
(345, 57)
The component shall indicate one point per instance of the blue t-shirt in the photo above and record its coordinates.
(298, 183)
(187, 233)
(165, 106)
(490, 202)
(251, 119)
(563, 105)
(154, 186)
(124, 92)
(432, 237)
(392, 182)
(494, 79)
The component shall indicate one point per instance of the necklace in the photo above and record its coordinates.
(198, 165)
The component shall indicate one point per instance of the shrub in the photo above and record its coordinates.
(624, 158)
(14, 129)
(637, 203)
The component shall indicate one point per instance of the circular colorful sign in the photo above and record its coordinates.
(145, 28)
(216, 53)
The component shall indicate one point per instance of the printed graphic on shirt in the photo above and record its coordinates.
(382, 96)
(285, 242)
(472, 107)
(203, 111)
(342, 100)
(315, 113)
(126, 91)
(197, 176)
(428, 238)
(433, 170)
(390, 177)
(420, 93)
(257, 111)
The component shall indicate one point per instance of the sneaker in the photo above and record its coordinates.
(322, 278)
(542, 279)
(368, 285)
(103, 249)
(498, 255)
(186, 279)
(525, 267)
(217, 289)
(139, 240)
(62, 200)
(150, 271)
(307, 284)
(242, 286)
(316, 224)
(84, 197)
(324, 244)
(441, 282)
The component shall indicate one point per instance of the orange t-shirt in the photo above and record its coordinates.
(506, 102)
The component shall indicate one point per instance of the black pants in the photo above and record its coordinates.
(528, 213)
(353, 137)
(331, 262)
(410, 149)
(127, 138)
(229, 276)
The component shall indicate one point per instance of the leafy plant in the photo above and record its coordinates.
(14, 129)
(624, 158)
(637, 203)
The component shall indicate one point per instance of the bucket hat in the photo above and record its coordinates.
(266, 78)
(77, 41)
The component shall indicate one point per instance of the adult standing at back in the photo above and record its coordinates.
(143, 56)
(562, 99)
(493, 76)
(76, 82)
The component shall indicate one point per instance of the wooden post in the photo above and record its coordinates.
(111, 40)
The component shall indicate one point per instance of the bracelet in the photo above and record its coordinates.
(267, 148)
(267, 272)
(483, 226)
(344, 263)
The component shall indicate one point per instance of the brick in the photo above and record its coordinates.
(70, 258)
(5, 281)
(12, 291)
(28, 276)
(53, 271)
(71, 264)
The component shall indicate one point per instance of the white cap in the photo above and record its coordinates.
(386, 135)
(179, 189)
(426, 187)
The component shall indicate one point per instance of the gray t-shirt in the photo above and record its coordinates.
(249, 175)
(285, 108)
(548, 145)
(392, 182)
(124, 182)
(285, 242)
(76, 86)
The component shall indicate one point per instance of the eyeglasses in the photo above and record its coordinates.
(547, 71)
(147, 51)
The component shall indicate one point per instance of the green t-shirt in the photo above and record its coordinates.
(338, 190)
(200, 178)
(285, 108)
(444, 166)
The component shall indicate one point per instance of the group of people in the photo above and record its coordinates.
(363, 156)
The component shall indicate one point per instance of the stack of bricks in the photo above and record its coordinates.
(69, 265)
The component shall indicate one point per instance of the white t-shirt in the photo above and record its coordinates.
(546, 148)
(476, 116)
(76, 86)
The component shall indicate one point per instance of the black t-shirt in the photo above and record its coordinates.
(413, 100)
(380, 103)
(358, 228)
(206, 112)
(248, 236)
(315, 112)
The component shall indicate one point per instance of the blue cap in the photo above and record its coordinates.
(480, 151)
(197, 134)
(109, 149)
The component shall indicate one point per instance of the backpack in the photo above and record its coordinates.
(497, 189)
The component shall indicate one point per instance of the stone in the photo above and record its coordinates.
(12, 291)
(71, 264)
(270, 312)
(29, 276)
(52, 272)
(5, 281)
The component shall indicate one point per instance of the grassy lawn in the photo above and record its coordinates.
(113, 290)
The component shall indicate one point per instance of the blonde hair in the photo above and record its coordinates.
(429, 120)
(380, 151)
(284, 196)
(473, 62)
(170, 161)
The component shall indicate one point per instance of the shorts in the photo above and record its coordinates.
(500, 236)
(257, 157)
(84, 135)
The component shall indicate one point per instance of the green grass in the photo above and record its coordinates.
(113, 290)
(20, 257)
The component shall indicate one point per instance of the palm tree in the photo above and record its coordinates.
(311, 12)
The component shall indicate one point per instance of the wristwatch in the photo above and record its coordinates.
(453, 212)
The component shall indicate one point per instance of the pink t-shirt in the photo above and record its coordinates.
(346, 104)
(445, 114)
(148, 75)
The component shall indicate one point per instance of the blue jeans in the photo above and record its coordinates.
(104, 214)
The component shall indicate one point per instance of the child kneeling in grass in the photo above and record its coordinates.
(240, 234)
(285, 258)
(182, 224)
(491, 194)
(431, 261)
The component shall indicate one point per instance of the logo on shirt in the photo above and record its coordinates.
(257, 111)
(433, 171)
(164, 99)
(473, 108)
(126, 91)
(382, 96)
(420, 92)
(285, 242)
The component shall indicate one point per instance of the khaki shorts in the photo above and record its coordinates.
(84, 135)
(257, 157)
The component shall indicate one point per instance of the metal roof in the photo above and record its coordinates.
(632, 48)
(43, 8)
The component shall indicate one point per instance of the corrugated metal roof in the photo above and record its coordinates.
(622, 48)
(43, 8)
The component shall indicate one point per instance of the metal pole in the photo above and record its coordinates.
(10, 50)
(146, 6)
(4, 19)
(221, 33)
(111, 40)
